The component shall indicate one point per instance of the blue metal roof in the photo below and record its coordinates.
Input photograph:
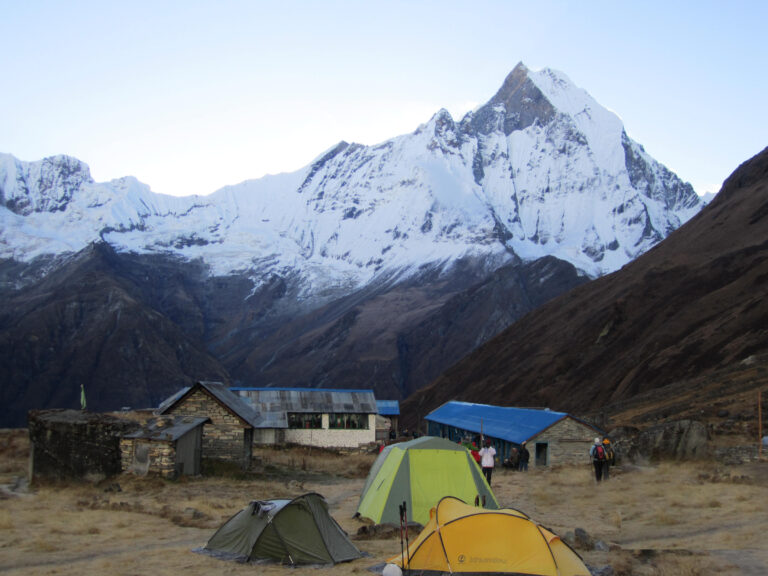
(388, 407)
(504, 423)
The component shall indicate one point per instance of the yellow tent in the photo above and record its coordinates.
(461, 538)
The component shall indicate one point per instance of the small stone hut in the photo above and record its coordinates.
(66, 444)
(551, 437)
(167, 447)
(228, 436)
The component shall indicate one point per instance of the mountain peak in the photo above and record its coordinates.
(524, 104)
(514, 79)
(47, 185)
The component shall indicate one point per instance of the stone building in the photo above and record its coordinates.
(166, 446)
(313, 416)
(229, 434)
(551, 437)
(68, 444)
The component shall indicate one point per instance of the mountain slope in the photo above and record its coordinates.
(395, 339)
(82, 325)
(679, 331)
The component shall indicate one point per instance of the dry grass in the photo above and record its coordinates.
(14, 448)
(314, 461)
(672, 519)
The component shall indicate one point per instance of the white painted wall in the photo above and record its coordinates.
(324, 438)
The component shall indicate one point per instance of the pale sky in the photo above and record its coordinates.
(191, 96)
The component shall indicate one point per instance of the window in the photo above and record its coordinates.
(348, 421)
(299, 420)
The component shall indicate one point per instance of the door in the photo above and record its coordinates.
(541, 453)
(247, 447)
(186, 451)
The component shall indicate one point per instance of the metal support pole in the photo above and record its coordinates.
(759, 424)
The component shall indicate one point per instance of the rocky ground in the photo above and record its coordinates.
(672, 518)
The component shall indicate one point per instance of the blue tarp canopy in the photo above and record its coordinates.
(388, 407)
(504, 423)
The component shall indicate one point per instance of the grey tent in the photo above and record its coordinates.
(298, 531)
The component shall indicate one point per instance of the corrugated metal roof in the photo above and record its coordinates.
(171, 400)
(168, 429)
(309, 400)
(388, 407)
(505, 423)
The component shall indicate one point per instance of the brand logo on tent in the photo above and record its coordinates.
(462, 558)
(487, 560)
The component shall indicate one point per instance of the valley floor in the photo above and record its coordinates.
(687, 519)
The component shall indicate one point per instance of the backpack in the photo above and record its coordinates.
(609, 453)
(599, 452)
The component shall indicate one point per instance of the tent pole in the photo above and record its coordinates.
(407, 548)
(402, 552)
(759, 424)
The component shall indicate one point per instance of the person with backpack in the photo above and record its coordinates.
(609, 458)
(523, 458)
(597, 452)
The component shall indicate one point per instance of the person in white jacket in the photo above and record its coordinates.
(487, 460)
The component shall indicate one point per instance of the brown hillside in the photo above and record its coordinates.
(682, 330)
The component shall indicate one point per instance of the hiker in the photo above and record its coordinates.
(487, 460)
(514, 459)
(609, 458)
(524, 457)
(597, 453)
(475, 453)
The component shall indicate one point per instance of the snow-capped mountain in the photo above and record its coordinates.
(541, 169)
(373, 267)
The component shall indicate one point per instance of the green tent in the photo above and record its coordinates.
(420, 473)
(298, 531)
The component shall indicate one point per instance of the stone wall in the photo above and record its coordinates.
(75, 444)
(735, 455)
(224, 437)
(142, 456)
(675, 440)
(568, 443)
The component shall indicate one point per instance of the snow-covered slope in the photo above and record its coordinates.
(541, 169)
